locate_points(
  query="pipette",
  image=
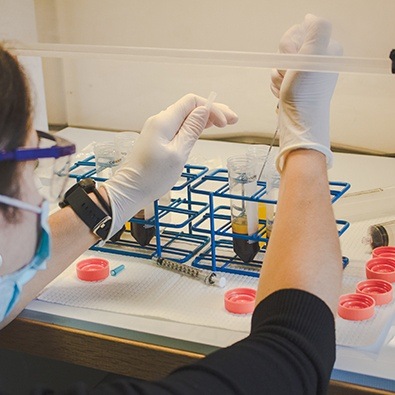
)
(209, 278)
(270, 148)
(210, 100)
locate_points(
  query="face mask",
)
(11, 284)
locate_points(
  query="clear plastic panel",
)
(220, 32)
(112, 64)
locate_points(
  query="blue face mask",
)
(11, 284)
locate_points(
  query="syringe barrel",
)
(382, 234)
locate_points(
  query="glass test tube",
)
(272, 190)
(259, 153)
(244, 214)
(107, 159)
(142, 233)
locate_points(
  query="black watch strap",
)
(93, 216)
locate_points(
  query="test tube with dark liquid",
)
(142, 233)
(244, 249)
(244, 214)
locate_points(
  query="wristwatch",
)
(98, 221)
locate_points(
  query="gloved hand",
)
(159, 155)
(305, 96)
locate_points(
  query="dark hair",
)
(15, 122)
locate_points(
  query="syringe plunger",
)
(209, 278)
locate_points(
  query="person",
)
(291, 346)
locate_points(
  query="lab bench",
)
(148, 347)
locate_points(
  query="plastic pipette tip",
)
(210, 100)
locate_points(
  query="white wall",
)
(115, 94)
(18, 22)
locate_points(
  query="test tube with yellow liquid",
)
(259, 153)
(272, 190)
(244, 213)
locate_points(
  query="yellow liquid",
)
(262, 211)
(262, 216)
(245, 250)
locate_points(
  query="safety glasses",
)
(53, 156)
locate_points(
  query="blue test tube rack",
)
(203, 230)
(216, 222)
(173, 239)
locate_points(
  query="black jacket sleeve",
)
(290, 350)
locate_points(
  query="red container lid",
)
(379, 290)
(240, 300)
(356, 307)
(387, 251)
(93, 269)
(382, 268)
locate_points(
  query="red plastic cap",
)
(356, 307)
(387, 251)
(382, 268)
(379, 290)
(93, 269)
(240, 300)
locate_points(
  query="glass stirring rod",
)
(269, 150)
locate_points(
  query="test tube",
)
(260, 154)
(382, 234)
(142, 233)
(244, 213)
(272, 190)
(107, 159)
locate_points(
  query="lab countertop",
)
(364, 173)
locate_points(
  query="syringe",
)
(209, 278)
(382, 234)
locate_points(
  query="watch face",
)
(87, 184)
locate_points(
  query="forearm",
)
(304, 250)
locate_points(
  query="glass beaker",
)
(124, 142)
(244, 213)
(107, 159)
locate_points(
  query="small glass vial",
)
(244, 213)
(107, 159)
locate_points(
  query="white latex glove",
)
(305, 96)
(159, 155)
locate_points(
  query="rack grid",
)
(197, 224)
(216, 222)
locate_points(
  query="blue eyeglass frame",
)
(61, 148)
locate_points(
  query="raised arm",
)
(304, 251)
(148, 173)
